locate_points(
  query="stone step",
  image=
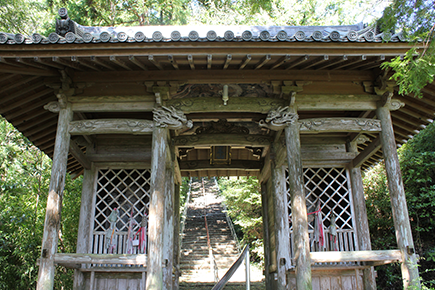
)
(229, 286)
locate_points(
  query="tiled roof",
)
(75, 33)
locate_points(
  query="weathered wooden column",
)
(84, 232)
(282, 235)
(397, 195)
(266, 236)
(54, 201)
(287, 119)
(176, 235)
(168, 236)
(164, 119)
(362, 224)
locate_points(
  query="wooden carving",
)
(222, 126)
(171, 118)
(111, 126)
(53, 107)
(340, 125)
(279, 119)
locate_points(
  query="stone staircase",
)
(196, 264)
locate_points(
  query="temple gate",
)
(134, 110)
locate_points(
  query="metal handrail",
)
(244, 255)
(229, 221)
(213, 265)
(184, 216)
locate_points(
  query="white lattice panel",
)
(126, 190)
(330, 187)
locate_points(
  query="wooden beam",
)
(79, 156)
(222, 140)
(6, 68)
(368, 152)
(121, 259)
(245, 61)
(227, 61)
(264, 105)
(339, 125)
(281, 61)
(209, 60)
(111, 126)
(205, 165)
(220, 76)
(355, 256)
(133, 59)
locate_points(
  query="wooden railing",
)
(371, 258)
(224, 280)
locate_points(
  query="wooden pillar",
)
(398, 201)
(361, 221)
(299, 208)
(54, 201)
(282, 235)
(177, 235)
(86, 214)
(168, 231)
(154, 279)
(266, 237)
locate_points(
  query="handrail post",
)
(248, 270)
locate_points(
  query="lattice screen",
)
(329, 186)
(124, 189)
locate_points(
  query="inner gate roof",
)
(327, 61)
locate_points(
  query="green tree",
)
(415, 20)
(417, 161)
(24, 180)
(243, 200)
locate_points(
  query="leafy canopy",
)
(415, 19)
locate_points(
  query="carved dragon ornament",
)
(279, 119)
(171, 118)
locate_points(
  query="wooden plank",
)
(298, 206)
(84, 258)
(111, 126)
(54, 201)
(325, 283)
(222, 140)
(355, 256)
(399, 207)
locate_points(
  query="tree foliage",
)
(417, 161)
(243, 200)
(24, 180)
(415, 20)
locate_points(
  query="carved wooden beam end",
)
(279, 119)
(282, 117)
(171, 118)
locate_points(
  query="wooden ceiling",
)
(325, 72)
